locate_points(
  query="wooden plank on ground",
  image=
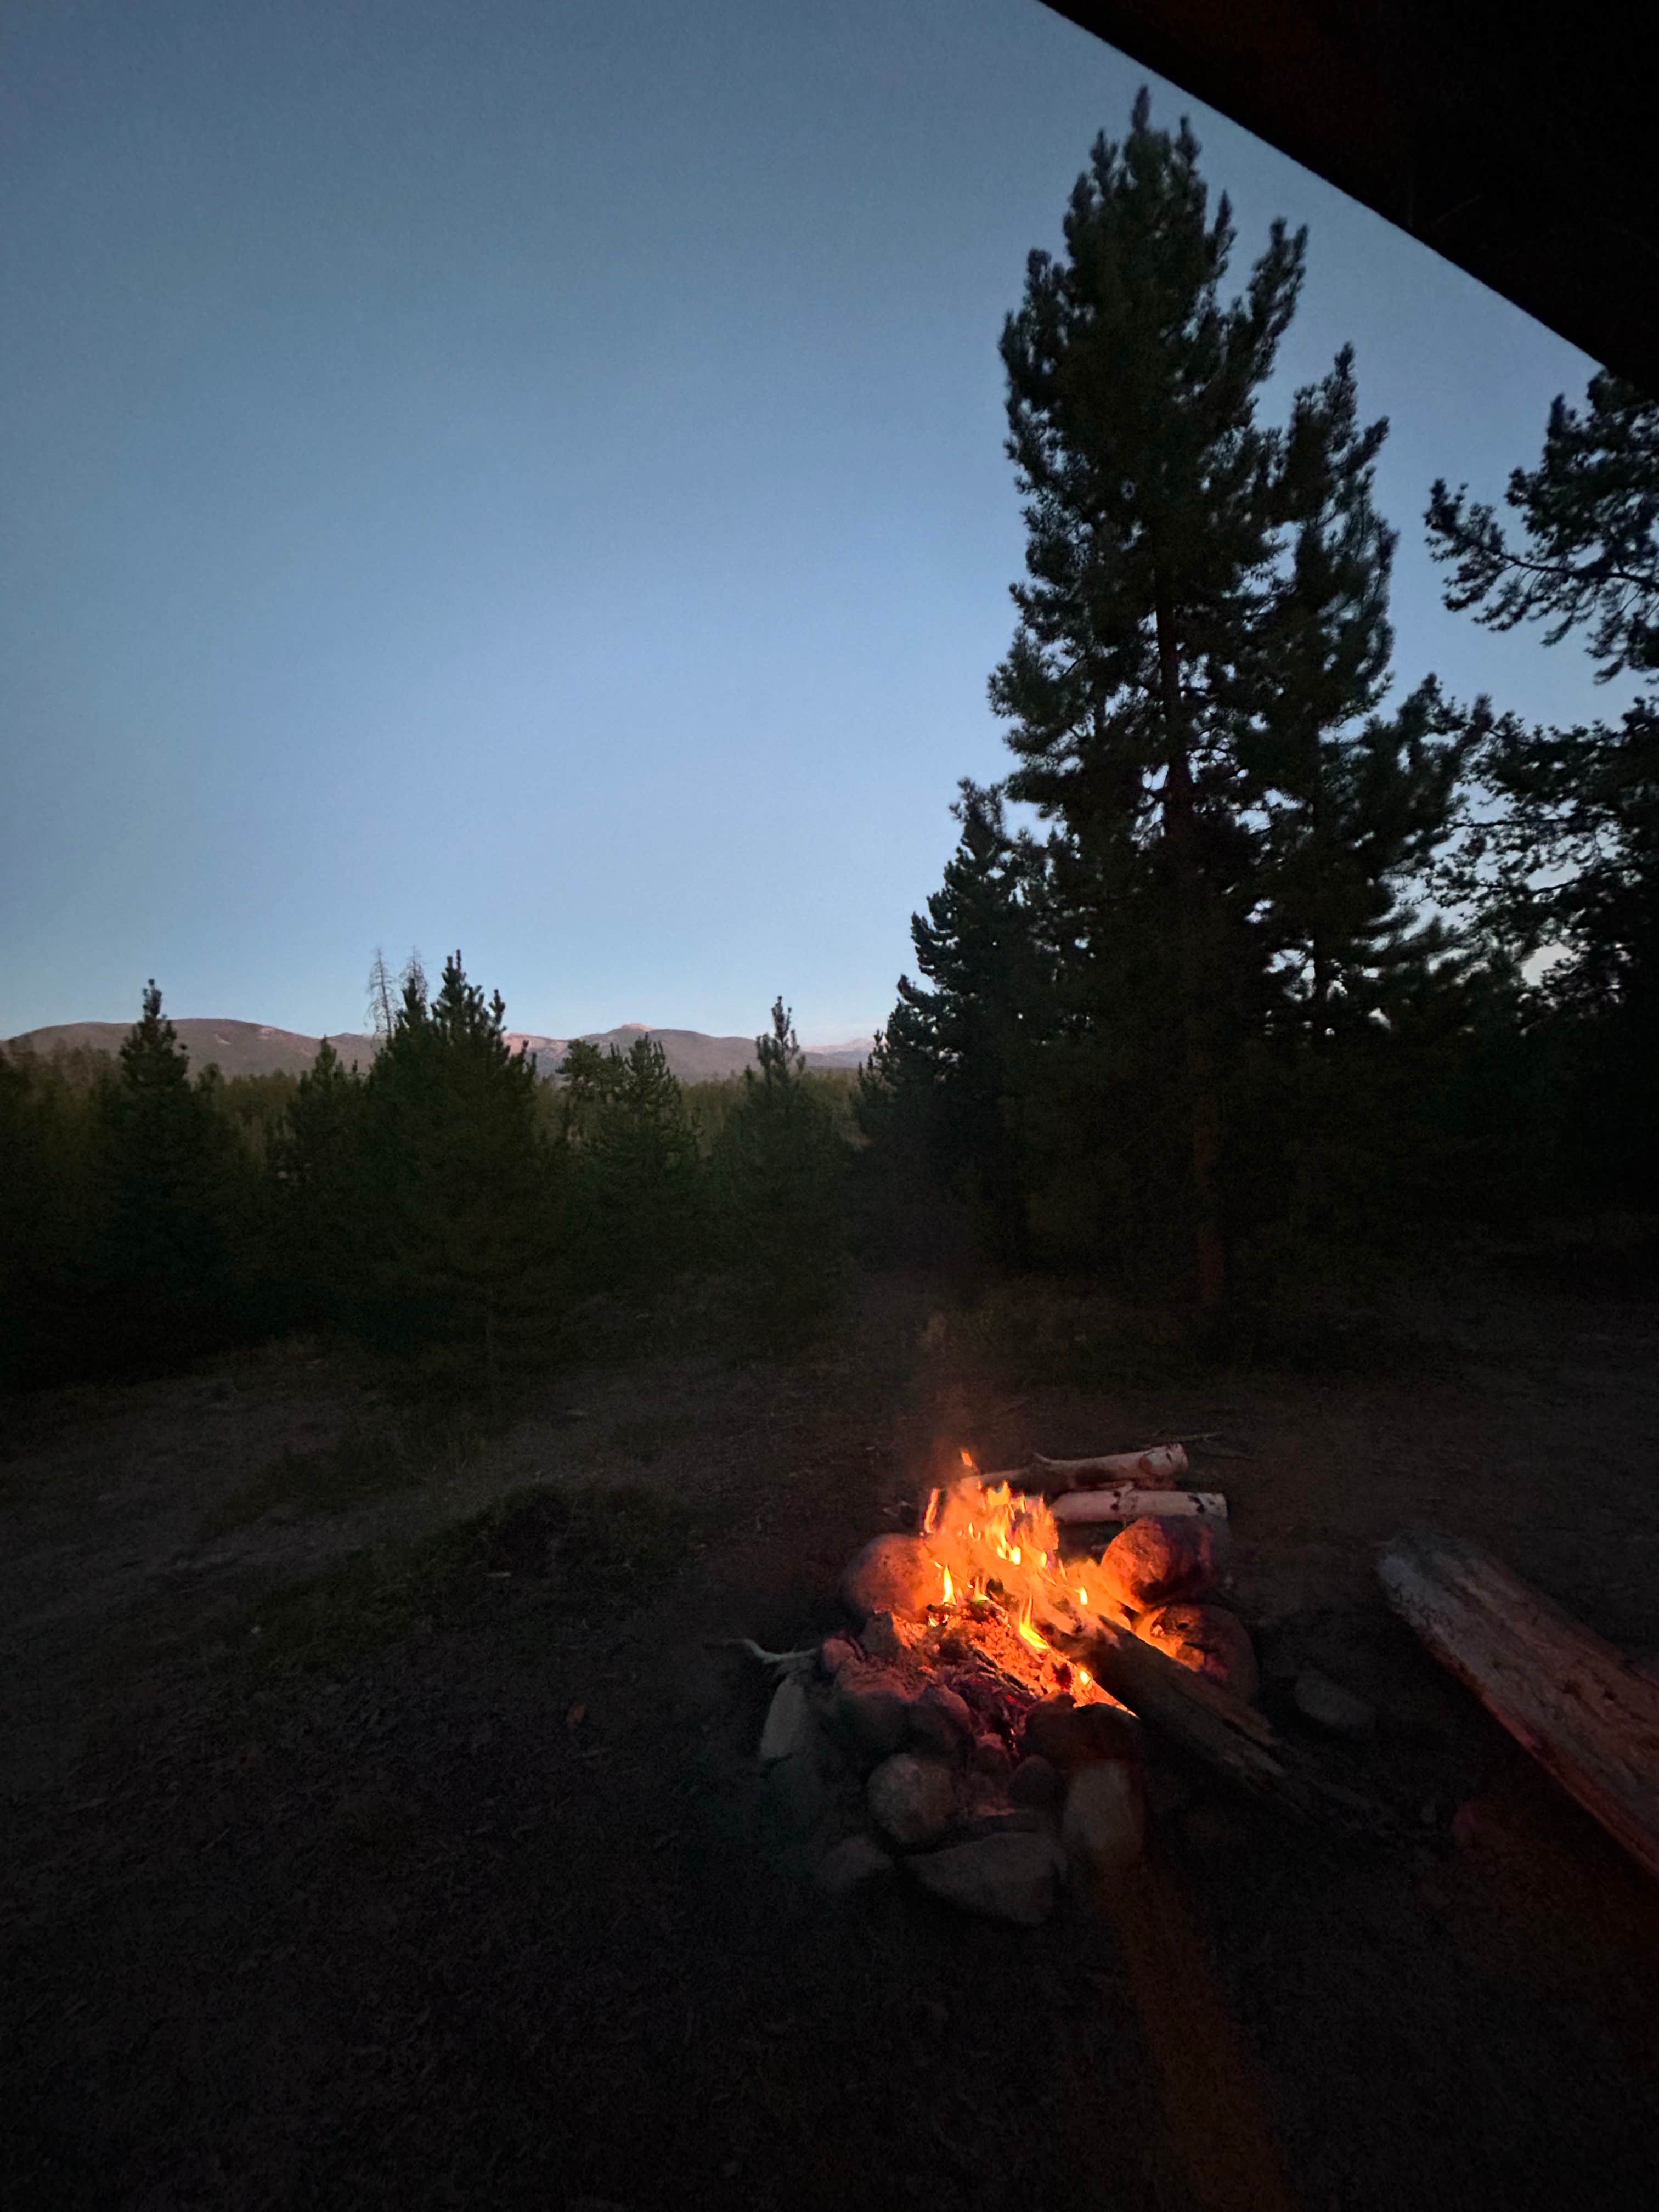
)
(1584, 1713)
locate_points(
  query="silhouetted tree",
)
(1563, 858)
(457, 1183)
(778, 1164)
(639, 1167)
(49, 1192)
(1203, 627)
(944, 1091)
(167, 1162)
(318, 1166)
(1589, 519)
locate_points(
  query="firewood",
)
(1587, 1715)
(1159, 1464)
(1127, 1502)
(1211, 1725)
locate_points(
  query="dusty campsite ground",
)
(368, 1842)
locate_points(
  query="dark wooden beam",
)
(1521, 142)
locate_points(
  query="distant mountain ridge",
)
(253, 1048)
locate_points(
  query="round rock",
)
(852, 1866)
(940, 1720)
(912, 1799)
(1329, 1706)
(869, 1709)
(1210, 1640)
(1010, 1876)
(891, 1574)
(1035, 1781)
(992, 1758)
(1103, 1827)
(1155, 1562)
(1069, 1736)
(836, 1652)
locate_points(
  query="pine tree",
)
(1565, 854)
(1151, 505)
(642, 1163)
(778, 1166)
(318, 1171)
(1353, 811)
(1203, 627)
(589, 1079)
(1589, 517)
(49, 1191)
(165, 1251)
(945, 1083)
(457, 1180)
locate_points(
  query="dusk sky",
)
(525, 476)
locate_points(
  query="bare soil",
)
(362, 1851)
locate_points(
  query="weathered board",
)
(1587, 1715)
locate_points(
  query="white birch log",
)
(1159, 1465)
(1129, 1502)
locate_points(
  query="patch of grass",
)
(1028, 1331)
(1033, 1331)
(596, 1547)
(1329, 1338)
(366, 1462)
(644, 1438)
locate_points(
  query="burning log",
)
(1210, 1724)
(1585, 1713)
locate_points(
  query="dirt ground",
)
(359, 1853)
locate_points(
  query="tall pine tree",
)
(1203, 626)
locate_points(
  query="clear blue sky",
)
(529, 476)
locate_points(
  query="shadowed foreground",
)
(454, 1883)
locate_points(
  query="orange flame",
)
(998, 1553)
(1025, 1628)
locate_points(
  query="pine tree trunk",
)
(1204, 1105)
(1322, 970)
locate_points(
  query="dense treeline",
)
(1274, 976)
(445, 1203)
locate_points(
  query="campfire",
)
(977, 1599)
(985, 1727)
